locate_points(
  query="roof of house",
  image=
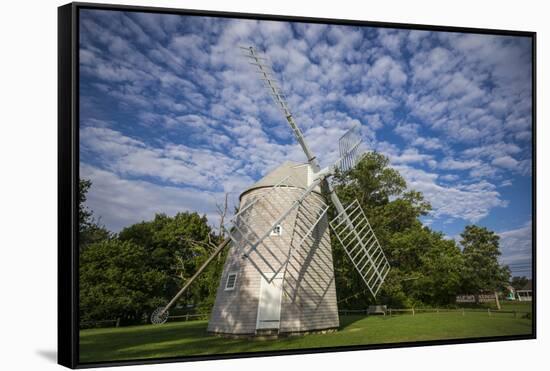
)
(295, 173)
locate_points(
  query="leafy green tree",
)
(482, 271)
(116, 283)
(89, 229)
(518, 283)
(430, 266)
(84, 214)
(372, 181)
(168, 249)
(178, 246)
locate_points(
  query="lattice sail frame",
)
(361, 245)
(251, 227)
(266, 74)
(348, 145)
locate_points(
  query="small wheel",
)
(157, 318)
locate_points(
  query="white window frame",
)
(280, 233)
(234, 282)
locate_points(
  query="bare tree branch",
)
(222, 211)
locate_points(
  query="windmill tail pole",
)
(220, 247)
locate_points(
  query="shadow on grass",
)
(349, 321)
(185, 339)
(179, 340)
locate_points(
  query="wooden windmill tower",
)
(279, 274)
(285, 283)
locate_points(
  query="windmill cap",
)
(298, 172)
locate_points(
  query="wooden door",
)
(269, 308)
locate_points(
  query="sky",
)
(173, 117)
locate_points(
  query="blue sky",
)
(173, 117)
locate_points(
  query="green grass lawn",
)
(190, 338)
(516, 305)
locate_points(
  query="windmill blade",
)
(251, 227)
(356, 235)
(267, 76)
(349, 149)
(273, 86)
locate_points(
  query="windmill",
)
(279, 274)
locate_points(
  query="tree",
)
(84, 214)
(518, 283)
(178, 245)
(372, 181)
(482, 271)
(116, 283)
(152, 258)
(430, 266)
(89, 229)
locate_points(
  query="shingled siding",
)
(309, 292)
(235, 312)
(309, 296)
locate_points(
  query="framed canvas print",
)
(239, 185)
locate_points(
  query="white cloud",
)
(426, 65)
(407, 130)
(368, 103)
(449, 177)
(506, 183)
(507, 162)
(177, 164)
(428, 143)
(452, 164)
(391, 40)
(415, 37)
(493, 150)
(120, 202)
(470, 202)
(516, 246)
(483, 171)
(410, 155)
(410, 132)
(463, 88)
(385, 69)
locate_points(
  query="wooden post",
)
(187, 317)
(390, 312)
(118, 322)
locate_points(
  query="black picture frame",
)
(68, 175)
